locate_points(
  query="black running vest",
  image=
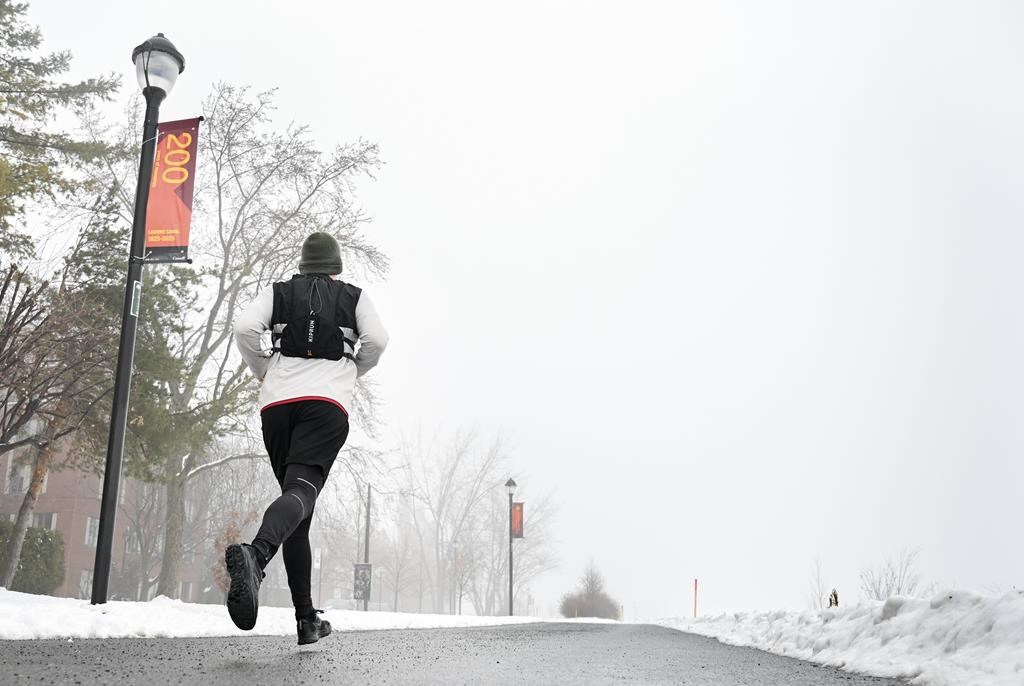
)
(315, 317)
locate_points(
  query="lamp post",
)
(511, 486)
(157, 65)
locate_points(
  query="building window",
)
(92, 531)
(18, 478)
(42, 520)
(85, 583)
(18, 474)
(134, 544)
(45, 520)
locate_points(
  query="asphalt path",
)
(520, 654)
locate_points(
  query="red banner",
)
(169, 213)
(517, 520)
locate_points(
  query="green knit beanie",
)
(320, 255)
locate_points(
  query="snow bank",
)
(955, 639)
(24, 616)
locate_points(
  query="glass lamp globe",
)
(157, 63)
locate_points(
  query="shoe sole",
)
(242, 606)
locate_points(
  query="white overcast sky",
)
(740, 281)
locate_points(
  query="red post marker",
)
(695, 599)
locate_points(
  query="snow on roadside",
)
(26, 616)
(955, 639)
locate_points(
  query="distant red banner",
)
(517, 520)
(169, 213)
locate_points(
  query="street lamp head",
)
(511, 486)
(157, 63)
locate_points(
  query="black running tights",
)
(286, 523)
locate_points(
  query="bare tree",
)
(590, 598)
(23, 311)
(225, 501)
(817, 590)
(267, 191)
(399, 554)
(143, 511)
(534, 554)
(52, 352)
(260, 190)
(448, 483)
(896, 576)
(456, 512)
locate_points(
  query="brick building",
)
(70, 503)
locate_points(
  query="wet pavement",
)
(520, 654)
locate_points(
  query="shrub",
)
(41, 567)
(590, 599)
(896, 577)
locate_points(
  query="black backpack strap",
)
(283, 296)
(345, 314)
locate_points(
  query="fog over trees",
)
(194, 457)
(806, 299)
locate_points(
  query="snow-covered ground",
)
(24, 616)
(956, 639)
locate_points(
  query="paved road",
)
(522, 655)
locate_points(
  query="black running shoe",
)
(313, 628)
(244, 595)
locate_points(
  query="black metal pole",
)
(125, 351)
(366, 550)
(510, 553)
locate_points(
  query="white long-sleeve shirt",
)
(291, 379)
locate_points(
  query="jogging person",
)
(324, 334)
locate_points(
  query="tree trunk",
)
(437, 592)
(40, 467)
(170, 565)
(398, 577)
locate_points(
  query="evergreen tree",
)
(95, 271)
(35, 160)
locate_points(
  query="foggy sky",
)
(739, 281)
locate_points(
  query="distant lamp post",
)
(511, 486)
(157, 65)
